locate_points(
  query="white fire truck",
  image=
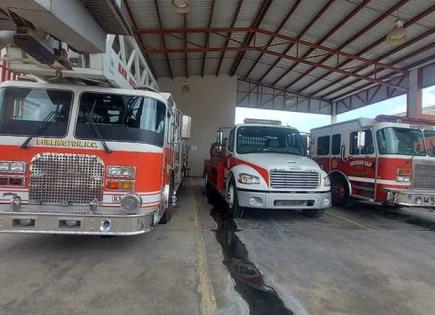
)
(388, 160)
(86, 153)
(264, 165)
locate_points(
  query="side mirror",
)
(361, 139)
(186, 122)
(219, 140)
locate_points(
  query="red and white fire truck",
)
(388, 160)
(92, 155)
(264, 165)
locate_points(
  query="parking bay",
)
(359, 260)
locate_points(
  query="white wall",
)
(211, 102)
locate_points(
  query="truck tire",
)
(339, 191)
(233, 203)
(167, 215)
(313, 213)
(207, 184)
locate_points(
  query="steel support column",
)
(414, 96)
(333, 112)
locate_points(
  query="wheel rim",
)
(338, 193)
(230, 196)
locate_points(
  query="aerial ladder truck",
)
(88, 144)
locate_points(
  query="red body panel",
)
(219, 165)
(366, 173)
(150, 175)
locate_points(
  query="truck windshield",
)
(22, 110)
(403, 141)
(121, 118)
(254, 139)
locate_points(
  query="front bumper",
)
(283, 200)
(74, 220)
(411, 197)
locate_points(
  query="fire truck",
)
(264, 165)
(87, 143)
(388, 160)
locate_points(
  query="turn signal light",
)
(16, 181)
(404, 172)
(4, 181)
(11, 181)
(123, 185)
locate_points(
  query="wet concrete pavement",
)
(361, 260)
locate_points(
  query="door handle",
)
(343, 152)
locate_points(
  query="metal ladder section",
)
(122, 65)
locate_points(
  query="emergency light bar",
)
(262, 121)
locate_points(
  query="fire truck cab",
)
(264, 165)
(80, 159)
(388, 160)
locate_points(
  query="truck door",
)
(229, 152)
(337, 147)
(361, 163)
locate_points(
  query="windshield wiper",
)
(99, 135)
(96, 130)
(42, 126)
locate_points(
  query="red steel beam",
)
(282, 90)
(138, 37)
(330, 51)
(307, 27)
(279, 55)
(326, 36)
(387, 54)
(162, 38)
(210, 19)
(186, 65)
(258, 19)
(233, 21)
(387, 76)
(278, 29)
(372, 45)
(401, 59)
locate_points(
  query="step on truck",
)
(388, 160)
(88, 144)
(263, 165)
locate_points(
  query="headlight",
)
(248, 179)
(17, 167)
(326, 182)
(14, 166)
(121, 171)
(4, 166)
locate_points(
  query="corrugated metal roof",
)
(298, 79)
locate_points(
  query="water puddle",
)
(261, 298)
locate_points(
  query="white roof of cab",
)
(85, 88)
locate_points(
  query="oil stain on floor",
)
(261, 298)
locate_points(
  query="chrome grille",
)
(66, 179)
(294, 179)
(423, 174)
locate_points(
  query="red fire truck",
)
(388, 160)
(88, 145)
(86, 160)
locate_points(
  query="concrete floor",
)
(350, 261)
